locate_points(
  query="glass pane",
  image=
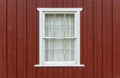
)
(59, 49)
(49, 50)
(69, 50)
(49, 25)
(59, 25)
(69, 23)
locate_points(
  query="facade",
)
(99, 39)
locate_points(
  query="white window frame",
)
(42, 12)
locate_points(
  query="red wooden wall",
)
(100, 39)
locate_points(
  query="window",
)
(59, 37)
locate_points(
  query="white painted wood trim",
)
(59, 9)
(81, 65)
(75, 11)
(59, 37)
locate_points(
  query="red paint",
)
(21, 39)
(116, 38)
(11, 40)
(3, 54)
(100, 37)
(107, 39)
(32, 30)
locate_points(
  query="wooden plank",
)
(40, 73)
(4, 54)
(75, 2)
(56, 71)
(3, 57)
(107, 39)
(88, 4)
(50, 72)
(65, 72)
(31, 38)
(89, 39)
(70, 72)
(39, 3)
(79, 73)
(84, 38)
(75, 74)
(1, 60)
(49, 4)
(45, 72)
(59, 3)
(60, 72)
(21, 39)
(65, 1)
(116, 39)
(98, 42)
(11, 39)
(68, 4)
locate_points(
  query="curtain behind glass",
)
(60, 26)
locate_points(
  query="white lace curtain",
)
(59, 33)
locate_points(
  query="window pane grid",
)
(64, 51)
(59, 37)
(59, 25)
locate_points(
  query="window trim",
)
(76, 12)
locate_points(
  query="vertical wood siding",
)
(3, 46)
(11, 39)
(100, 39)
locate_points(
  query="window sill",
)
(81, 65)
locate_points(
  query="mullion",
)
(64, 39)
(54, 24)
